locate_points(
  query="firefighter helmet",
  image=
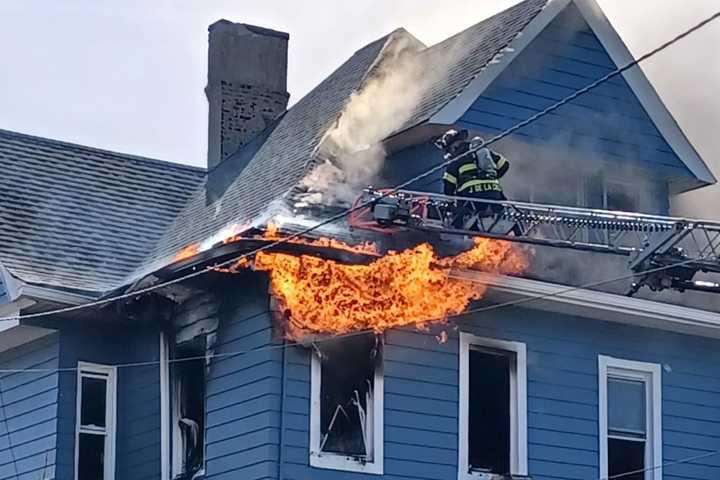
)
(451, 137)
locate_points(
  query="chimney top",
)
(240, 28)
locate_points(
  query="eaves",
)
(596, 305)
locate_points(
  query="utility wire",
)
(384, 194)
(662, 465)
(9, 438)
(487, 308)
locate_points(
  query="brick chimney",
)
(247, 85)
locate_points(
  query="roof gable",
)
(608, 123)
(600, 28)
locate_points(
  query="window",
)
(346, 418)
(493, 417)
(630, 419)
(95, 423)
(187, 372)
(606, 194)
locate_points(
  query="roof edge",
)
(455, 108)
(167, 163)
(644, 91)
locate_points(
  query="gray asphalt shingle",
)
(81, 218)
(279, 164)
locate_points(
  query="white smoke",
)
(351, 154)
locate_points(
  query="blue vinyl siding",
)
(138, 396)
(3, 291)
(609, 120)
(28, 417)
(244, 392)
(421, 397)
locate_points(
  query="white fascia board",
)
(643, 90)
(597, 305)
(17, 288)
(53, 295)
(455, 108)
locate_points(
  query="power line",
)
(495, 306)
(6, 420)
(384, 194)
(662, 465)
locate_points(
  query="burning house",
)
(201, 329)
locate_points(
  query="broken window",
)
(629, 419)
(493, 421)
(188, 410)
(95, 434)
(347, 399)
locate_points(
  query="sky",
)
(129, 75)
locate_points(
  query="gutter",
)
(53, 295)
(597, 305)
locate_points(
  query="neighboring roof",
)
(278, 165)
(80, 218)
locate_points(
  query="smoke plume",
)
(351, 153)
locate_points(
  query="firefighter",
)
(475, 175)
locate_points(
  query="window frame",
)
(651, 375)
(518, 405)
(176, 458)
(109, 374)
(342, 462)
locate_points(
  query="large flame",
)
(407, 288)
(412, 287)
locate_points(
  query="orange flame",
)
(187, 252)
(399, 289)
(272, 232)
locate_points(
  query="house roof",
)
(289, 152)
(80, 218)
(97, 220)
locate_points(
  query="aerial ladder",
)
(664, 252)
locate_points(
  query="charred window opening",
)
(188, 385)
(95, 441)
(347, 395)
(489, 413)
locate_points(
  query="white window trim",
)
(342, 462)
(94, 370)
(518, 405)
(651, 374)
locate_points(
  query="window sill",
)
(344, 463)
